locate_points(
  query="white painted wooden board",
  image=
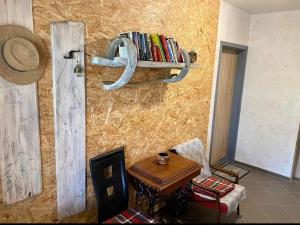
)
(20, 161)
(69, 118)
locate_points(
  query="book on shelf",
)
(173, 49)
(172, 59)
(147, 57)
(159, 57)
(139, 47)
(156, 41)
(179, 56)
(136, 42)
(143, 52)
(152, 47)
(165, 47)
(148, 47)
(154, 53)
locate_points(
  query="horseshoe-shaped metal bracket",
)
(184, 71)
(131, 63)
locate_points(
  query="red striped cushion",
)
(221, 185)
(131, 216)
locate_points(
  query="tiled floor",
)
(269, 200)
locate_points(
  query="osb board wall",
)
(146, 119)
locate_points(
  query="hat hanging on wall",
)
(23, 56)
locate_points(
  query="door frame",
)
(237, 98)
(296, 159)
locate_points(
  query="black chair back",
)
(110, 184)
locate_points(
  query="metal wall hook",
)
(71, 54)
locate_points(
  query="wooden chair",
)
(111, 190)
(212, 198)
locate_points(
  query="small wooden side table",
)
(155, 182)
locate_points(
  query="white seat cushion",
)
(231, 199)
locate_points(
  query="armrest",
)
(230, 173)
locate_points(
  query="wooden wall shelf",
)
(134, 84)
(121, 62)
(131, 63)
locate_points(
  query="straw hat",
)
(22, 57)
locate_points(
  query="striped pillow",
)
(218, 184)
(131, 216)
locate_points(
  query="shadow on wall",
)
(145, 95)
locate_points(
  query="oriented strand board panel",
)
(69, 117)
(147, 118)
(20, 160)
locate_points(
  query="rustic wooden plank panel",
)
(69, 117)
(20, 160)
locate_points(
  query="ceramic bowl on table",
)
(163, 158)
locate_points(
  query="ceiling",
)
(265, 6)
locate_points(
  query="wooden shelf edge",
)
(134, 84)
(121, 62)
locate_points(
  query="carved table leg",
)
(146, 198)
(145, 194)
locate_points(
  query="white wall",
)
(234, 24)
(270, 112)
(233, 27)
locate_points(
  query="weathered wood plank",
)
(20, 161)
(69, 117)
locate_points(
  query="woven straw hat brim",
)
(12, 75)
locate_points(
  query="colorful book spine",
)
(152, 47)
(148, 45)
(136, 42)
(173, 49)
(156, 41)
(140, 46)
(158, 55)
(165, 47)
(179, 56)
(144, 47)
(170, 50)
(154, 53)
(147, 48)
